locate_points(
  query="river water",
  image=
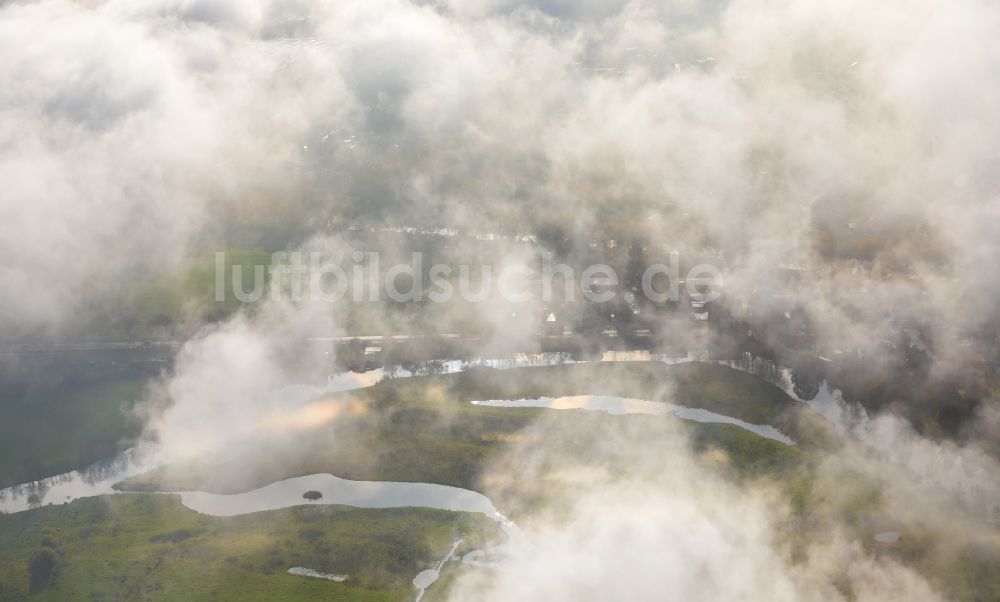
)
(362, 494)
(624, 405)
(99, 478)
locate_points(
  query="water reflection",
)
(96, 479)
(452, 366)
(100, 477)
(764, 369)
(624, 405)
(361, 494)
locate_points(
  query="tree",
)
(312, 496)
(41, 563)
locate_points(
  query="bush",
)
(41, 564)
(50, 538)
(172, 537)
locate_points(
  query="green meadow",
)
(149, 547)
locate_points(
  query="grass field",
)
(145, 546)
(149, 547)
(701, 385)
(66, 429)
(424, 428)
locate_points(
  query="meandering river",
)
(624, 405)
(99, 478)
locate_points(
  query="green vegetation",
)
(56, 431)
(424, 429)
(450, 573)
(142, 546)
(747, 454)
(42, 561)
(149, 547)
(177, 301)
(161, 304)
(700, 385)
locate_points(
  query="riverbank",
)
(53, 431)
(423, 428)
(146, 545)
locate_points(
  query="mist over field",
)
(836, 164)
